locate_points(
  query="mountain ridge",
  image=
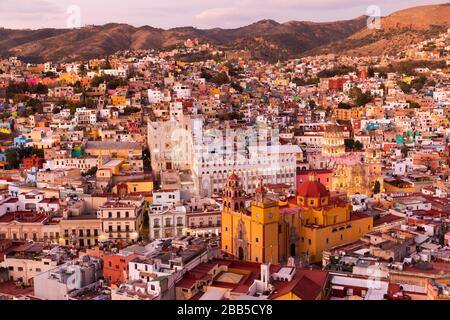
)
(265, 39)
(398, 30)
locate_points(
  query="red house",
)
(32, 162)
(336, 83)
(115, 266)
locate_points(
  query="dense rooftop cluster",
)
(124, 173)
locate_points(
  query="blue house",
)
(20, 141)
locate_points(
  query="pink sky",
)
(198, 13)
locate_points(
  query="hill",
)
(398, 30)
(265, 39)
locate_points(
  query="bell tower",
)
(233, 199)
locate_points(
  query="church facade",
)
(303, 226)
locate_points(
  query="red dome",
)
(313, 189)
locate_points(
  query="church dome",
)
(313, 189)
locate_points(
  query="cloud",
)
(30, 13)
(32, 7)
(229, 16)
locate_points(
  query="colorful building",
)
(304, 226)
(250, 235)
(115, 266)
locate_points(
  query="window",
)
(38, 269)
(19, 269)
(309, 241)
(349, 291)
(257, 240)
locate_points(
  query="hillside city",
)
(194, 173)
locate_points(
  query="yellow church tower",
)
(251, 235)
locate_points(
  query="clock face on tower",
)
(270, 215)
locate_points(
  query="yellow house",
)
(408, 80)
(118, 100)
(281, 82)
(109, 169)
(143, 185)
(323, 222)
(349, 114)
(69, 78)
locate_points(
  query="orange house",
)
(115, 266)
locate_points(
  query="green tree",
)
(418, 83)
(376, 187)
(358, 146)
(13, 158)
(220, 78)
(344, 105)
(349, 144)
(91, 172)
(413, 104)
(406, 88)
(38, 152)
